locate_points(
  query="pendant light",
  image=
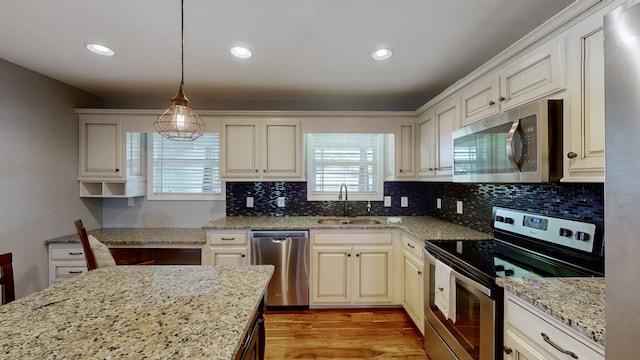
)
(179, 122)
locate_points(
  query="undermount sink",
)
(349, 221)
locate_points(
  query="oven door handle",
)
(483, 289)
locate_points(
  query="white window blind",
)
(352, 159)
(186, 167)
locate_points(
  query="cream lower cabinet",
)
(65, 261)
(352, 268)
(530, 334)
(228, 248)
(412, 280)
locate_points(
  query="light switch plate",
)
(438, 203)
(130, 201)
(281, 201)
(249, 201)
(459, 207)
(404, 201)
(387, 201)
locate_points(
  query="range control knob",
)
(508, 220)
(509, 272)
(566, 232)
(583, 236)
(499, 218)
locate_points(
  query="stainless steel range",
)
(463, 304)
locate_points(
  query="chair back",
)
(84, 239)
(6, 280)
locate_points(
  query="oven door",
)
(473, 334)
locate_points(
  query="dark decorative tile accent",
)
(579, 201)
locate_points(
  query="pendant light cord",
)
(182, 41)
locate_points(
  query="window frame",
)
(380, 163)
(151, 195)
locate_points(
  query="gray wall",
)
(157, 213)
(39, 161)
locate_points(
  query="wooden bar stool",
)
(6, 280)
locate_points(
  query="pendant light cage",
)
(179, 122)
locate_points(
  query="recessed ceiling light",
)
(241, 52)
(381, 54)
(100, 49)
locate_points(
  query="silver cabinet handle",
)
(491, 103)
(75, 272)
(572, 155)
(227, 239)
(411, 246)
(558, 347)
(75, 253)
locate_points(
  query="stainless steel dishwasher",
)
(288, 251)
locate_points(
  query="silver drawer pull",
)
(228, 239)
(75, 253)
(558, 347)
(75, 272)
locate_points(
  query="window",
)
(185, 170)
(353, 159)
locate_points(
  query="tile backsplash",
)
(579, 201)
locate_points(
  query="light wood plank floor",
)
(342, 334)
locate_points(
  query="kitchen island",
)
(135, 312)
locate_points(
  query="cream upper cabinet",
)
(405, 167)
(426, 148)
(481, 99)
(447, 119)
(261, 148)
(111, 162)
(584, 125)
(537, 73)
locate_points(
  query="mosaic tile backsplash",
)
(579, 201)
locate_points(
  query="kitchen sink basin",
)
(334, 221)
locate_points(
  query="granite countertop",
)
(127, 312)
(420, 227)
(578, 303)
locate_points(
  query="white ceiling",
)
(304, 50)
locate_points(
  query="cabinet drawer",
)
(227, 238)
(67, 253)
(532, 326)
(352, 238)
(412, 246)
(62, 272)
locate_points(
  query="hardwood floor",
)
(342, 334)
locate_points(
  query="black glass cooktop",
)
(484, 260)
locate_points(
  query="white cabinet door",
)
(372, 278)
(533, 75)
(584, 129)
(240, 143)
(228, 256)
(447, 117)
(282, 157)
(65, 261)
(101, 148)
(404, 150)
(412, 289)
(481, 99)
(331, 274)
(426, 145)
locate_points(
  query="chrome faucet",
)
(346, 198)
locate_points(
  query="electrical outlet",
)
(404, 201)
(387, 201)
(459, 207)
(438, 203)
(249, 201)
(130, 201)
(281, 201)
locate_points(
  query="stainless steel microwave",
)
(523, 145)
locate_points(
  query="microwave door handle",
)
(512, 137)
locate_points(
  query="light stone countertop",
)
(578, 303)
(422, 228)
(136, 312)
